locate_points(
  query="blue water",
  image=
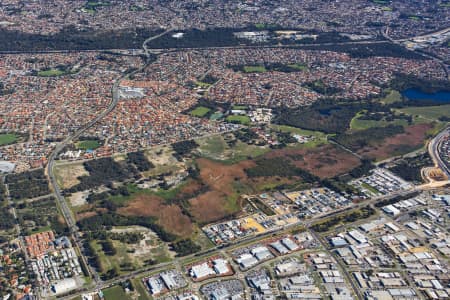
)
(416, 95)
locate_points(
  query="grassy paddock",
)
(245, 120)
(430, 113)
(115, 293)
(200, 111)
(358, 124)
(8, 138)
(254, 69)
(54, 73)
(88, 145)
(392, 97)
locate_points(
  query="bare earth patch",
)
(170, 217)
(219, 177)
(68, 174)
(86, 214)
(413, 138)
(78, 198)
(215, 204)
(209, 207)
(325, 161)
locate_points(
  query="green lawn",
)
(200, 111)
(213, 146)
(245, 120)
(216, 148)
(358, 124)
(115, 293)
(239, 107)
(88, 145)
(255, 69)
(295, 130)
(52, 73)
(8, 138)
(298, 67)
(392, 97)
(202, 84)
(428, 112)
(242, 151)
(143, 294)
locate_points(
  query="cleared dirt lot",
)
(220, 177)
(67, 174)
(79, 198)
(324, 161)
(222, 199)
(209, 207)
(170, 217)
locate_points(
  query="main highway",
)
(433, 149)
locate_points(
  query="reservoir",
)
(416, 95)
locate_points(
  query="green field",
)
(8, 138)
(298, 67)
(216, 148)
(242, 151)
(392, 97)
(139, 286)
(115, 293)
(430, 113)
(53, 73)
(295, 130)
(358, 124)
(239, 107)
(245, 120)
(200, 111)
(213, 146)
(88, 145)
(254, 69)
(203, 85)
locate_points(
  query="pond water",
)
(416, 95)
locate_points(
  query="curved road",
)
(433, 149)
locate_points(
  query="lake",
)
(416, 95)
